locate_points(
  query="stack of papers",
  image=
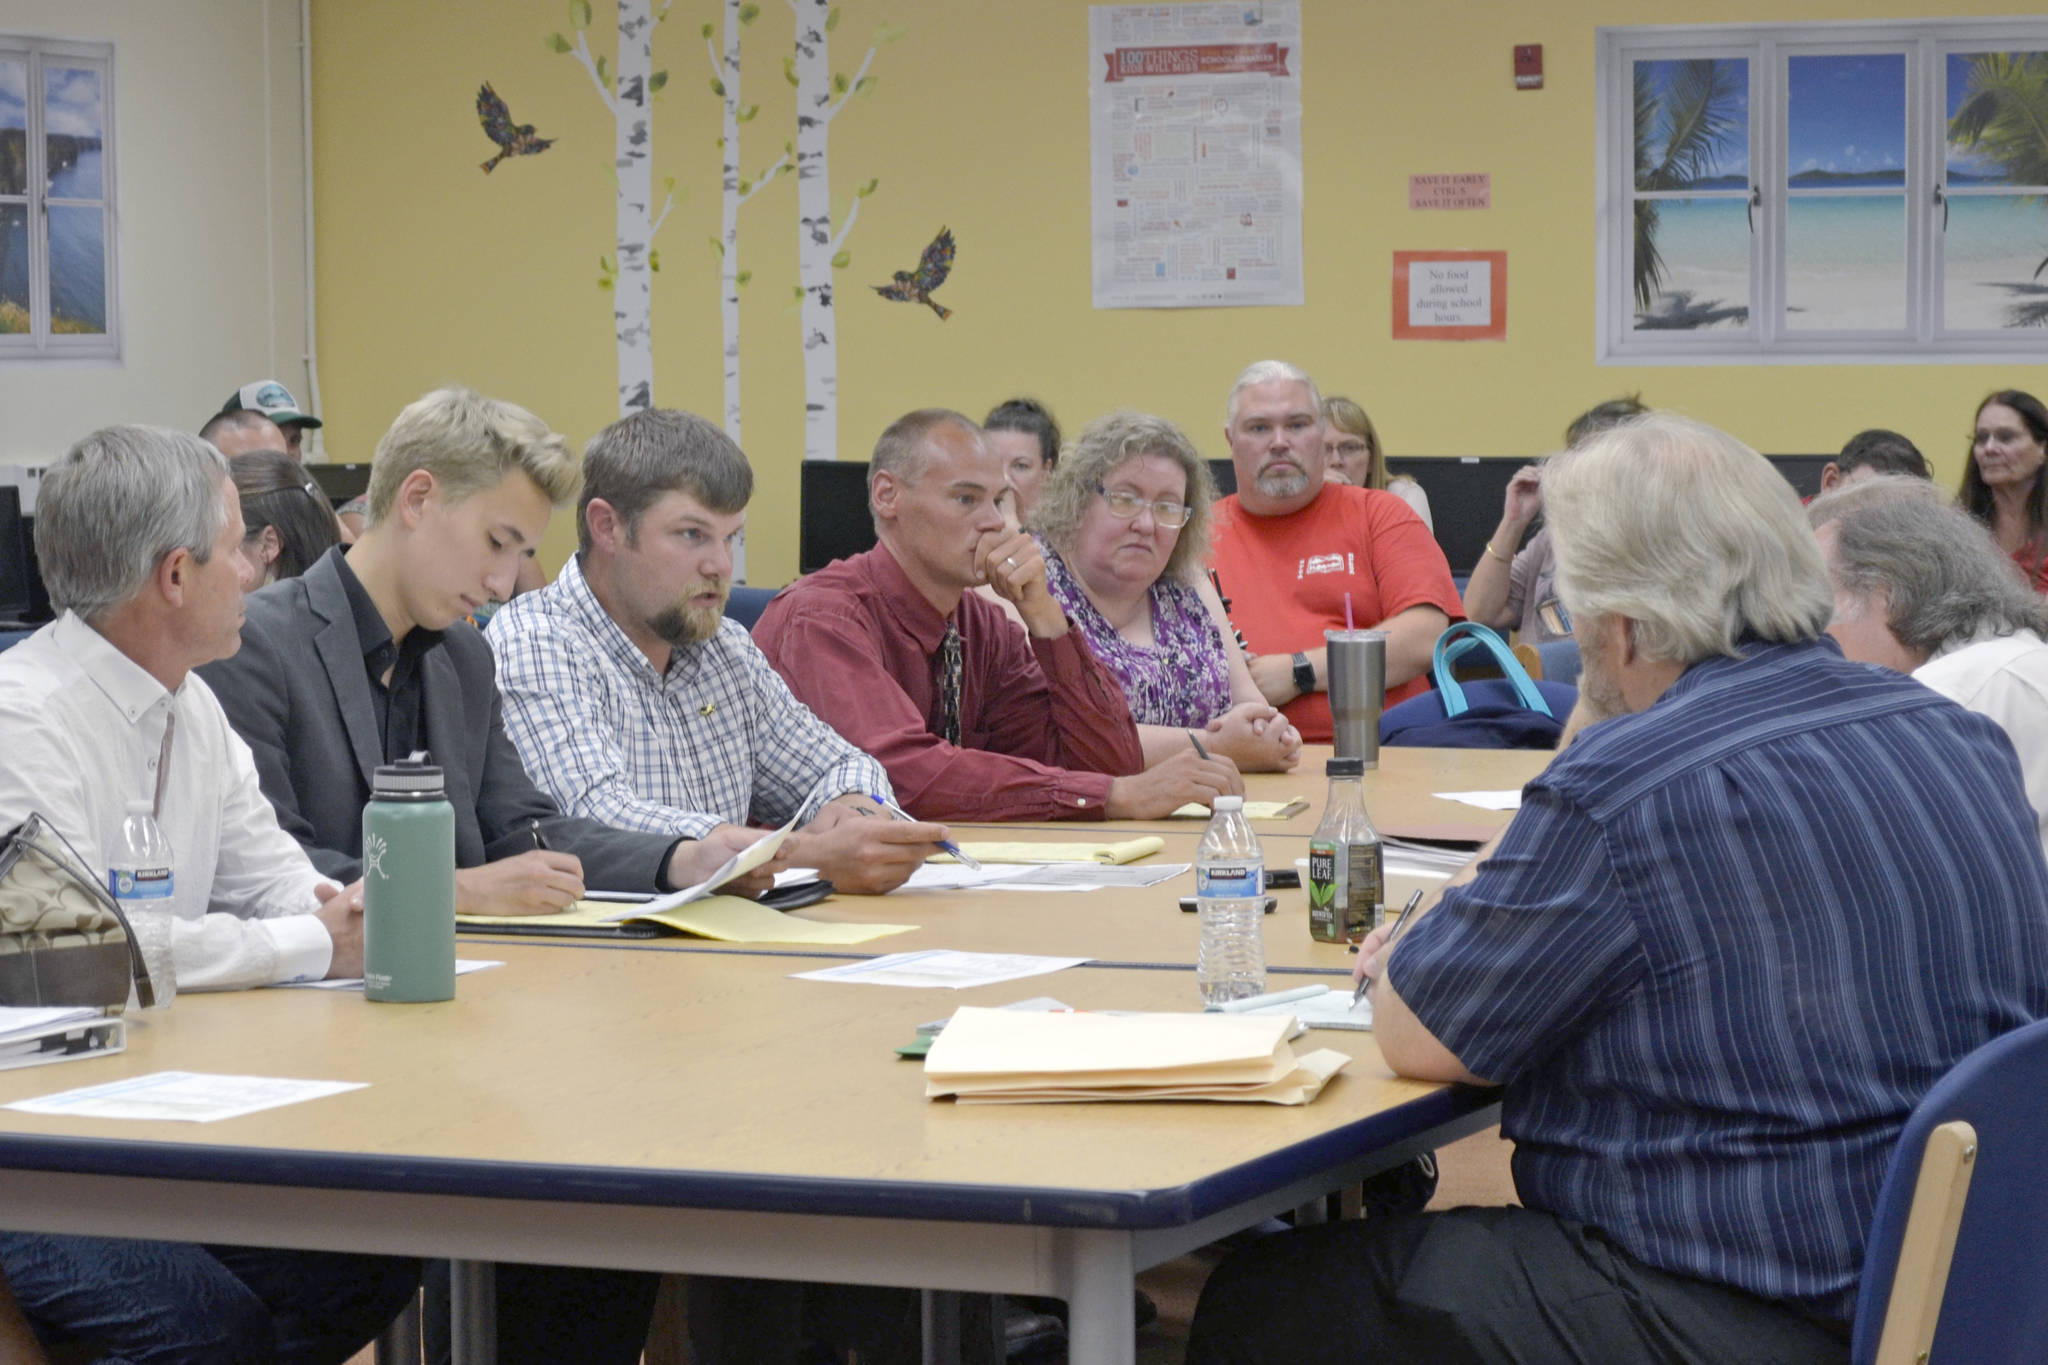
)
(1253, 810)
(33, 1035)
(728, 919)
(988, 1056)
(1114, 854)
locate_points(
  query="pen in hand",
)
(946, 844)
(1365, 981)
(540, 841)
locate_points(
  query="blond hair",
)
(1345, 415)
(469, 443)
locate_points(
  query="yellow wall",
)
(430, 271)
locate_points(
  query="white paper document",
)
(187, 1096)
(1485, 800)
(1040, 876)
(738, 865)
(463, 967)
(33, 1021)
(1312, 1006)
(942, 967)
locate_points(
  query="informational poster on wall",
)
(1450, 295)
(1195, 154)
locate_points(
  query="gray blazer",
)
(298, 694)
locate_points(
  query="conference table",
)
(678, 1106)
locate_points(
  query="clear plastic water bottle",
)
(1230, 892)
(141, 878)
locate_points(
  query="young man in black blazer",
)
(367, 657)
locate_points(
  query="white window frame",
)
(40, 343)
(1926, 45)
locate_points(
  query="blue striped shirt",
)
(1726, 946)
(718, 739)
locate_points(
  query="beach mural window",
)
(56, 200)
(1824, 192)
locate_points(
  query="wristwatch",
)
(1304, 675)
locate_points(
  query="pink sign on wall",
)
(1472, 190)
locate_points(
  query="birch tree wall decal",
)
(820, 96)
(735, 191)
(627, 93)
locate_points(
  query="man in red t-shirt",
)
(1288, 548)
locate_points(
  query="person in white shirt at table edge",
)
(139, 534)
(93, 702)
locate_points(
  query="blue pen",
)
(946, 844)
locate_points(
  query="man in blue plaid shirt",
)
(633, 701)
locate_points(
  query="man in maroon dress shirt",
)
(974, 719)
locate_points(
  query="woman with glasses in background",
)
(1351, 446)
(1124, 519)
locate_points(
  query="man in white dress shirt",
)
(139, 533)
(1922, 588)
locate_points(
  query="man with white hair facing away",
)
(1296, 556)
(1711, 975)
(1921, 587)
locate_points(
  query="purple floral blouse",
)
(1182, 678)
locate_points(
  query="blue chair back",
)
(1561, 662)
(1995, 1310)
(10, 638)
(745, 604)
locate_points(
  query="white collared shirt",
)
(2004, 677)
(81, 728)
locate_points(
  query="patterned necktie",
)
(949, 684)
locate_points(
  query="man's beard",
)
(1281, 481)
(1598, 691)
(685, 625)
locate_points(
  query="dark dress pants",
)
(1483, 1286)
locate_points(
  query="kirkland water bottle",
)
(1230, 892)
(409, 885)
(140, 879)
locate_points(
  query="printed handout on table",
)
(183, 1096)
(942, 967)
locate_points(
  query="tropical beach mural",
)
(1845, 199)
(1691, 254)
(1996, 247)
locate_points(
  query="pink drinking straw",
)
(1347, 611)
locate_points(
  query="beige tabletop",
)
(719, 1065)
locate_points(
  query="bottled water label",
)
(1230, 881)
(140, 883)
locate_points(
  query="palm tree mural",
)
(1680, 132)
(2003, 119)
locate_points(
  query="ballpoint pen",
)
(540, 841)
(1365, 982)
(946, 844)
(1196, 740)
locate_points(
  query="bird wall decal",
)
(512, 139)
(931, 272)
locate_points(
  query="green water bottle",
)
(409, 885)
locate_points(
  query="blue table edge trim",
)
(755, 1193)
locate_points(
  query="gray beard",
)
(1282, 483)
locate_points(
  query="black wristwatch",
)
(1304, 675)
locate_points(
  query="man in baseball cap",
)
(275, 401)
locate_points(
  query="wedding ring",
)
(1009, 562)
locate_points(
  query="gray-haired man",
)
(1921, 587)
(139, 534)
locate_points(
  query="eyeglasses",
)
(1350, 449)
(1171, 515)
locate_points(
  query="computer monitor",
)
(17, 575)
(340, 482)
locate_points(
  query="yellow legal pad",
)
(1129, 851)
(1253, 810)
(729, 919)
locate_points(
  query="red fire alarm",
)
(1528, 66)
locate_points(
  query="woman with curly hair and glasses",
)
(1124, 520)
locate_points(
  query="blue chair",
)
(9, 638)
(745, 604)
(1955, 1270)
(1560, 660)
